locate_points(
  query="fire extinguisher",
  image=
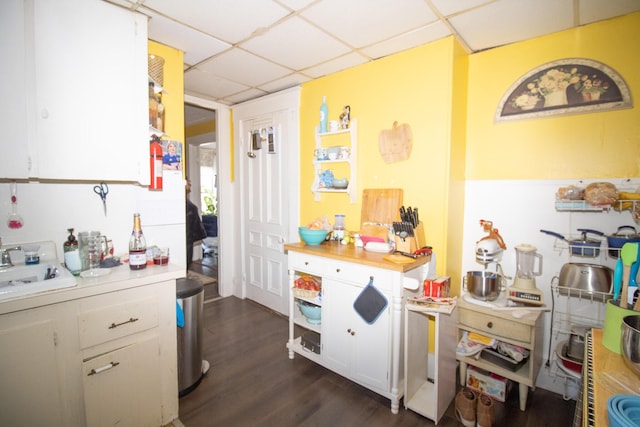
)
(155, 150)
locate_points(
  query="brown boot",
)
(466, 401)
(485, 416)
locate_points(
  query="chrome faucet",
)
(6, 257)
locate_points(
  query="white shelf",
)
(319, 166)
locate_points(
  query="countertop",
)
(351, 253)
(120, 277)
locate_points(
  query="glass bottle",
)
(137, 246)
(72, 254)
(153, 106)
(324, 113)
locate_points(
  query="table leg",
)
(523, 389)
(463, 373)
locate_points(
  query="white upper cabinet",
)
(86, 91)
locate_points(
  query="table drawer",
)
(359, 274)
(306, 263)
(116, 321)
(495, 326)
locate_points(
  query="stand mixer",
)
(489, 249)
(524, 286)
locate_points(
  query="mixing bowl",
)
(312, 237)
(311, 311)
(630, 342)
(483, 285)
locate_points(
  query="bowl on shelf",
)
(340, 183)
(630, 342)
(312, 237)
(311, 311)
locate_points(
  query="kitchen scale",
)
(524, 285)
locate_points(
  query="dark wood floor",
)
(252, 382)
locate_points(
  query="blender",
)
(524, 285)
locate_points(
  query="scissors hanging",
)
(102, 190)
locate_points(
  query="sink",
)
(22, 280)
(28, 279)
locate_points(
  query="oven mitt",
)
(370, 303)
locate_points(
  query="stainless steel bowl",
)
(630, 342)
(585, 278)
(483, 285)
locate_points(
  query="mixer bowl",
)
(483, 285)
(630, 342)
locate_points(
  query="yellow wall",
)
(593, 145)
(413, 87)
(173, 99)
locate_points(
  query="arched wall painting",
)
(565, 86)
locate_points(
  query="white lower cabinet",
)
(370, 354)
(101, 360)
(350, 345)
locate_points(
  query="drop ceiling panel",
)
(361, 23)
(284, 83)
(243, 67)
(596, 10)
(509, 21)
(409, 40)
(448, 7)
(196, 46)
(296, 44)
(229, 20)
(209, 85)
(341, 63)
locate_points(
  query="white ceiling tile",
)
(212, 85)
(196, 46)
(245, 96)
(449, 7)
(361, 23)
(597, 10)
(335, 65)
(243, 67)
(296, 4)
(291, 80)
(426, 34)
(296, 44)
(231, 20)
(508, 21)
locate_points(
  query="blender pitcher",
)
(525, 259)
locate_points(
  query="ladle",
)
(15, 220)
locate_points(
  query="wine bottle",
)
(137, 246)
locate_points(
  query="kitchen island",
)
(100, 353)
(368, 349)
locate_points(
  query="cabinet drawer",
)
(307, 263)
(359, 274)
(495, 326)
(116, 321)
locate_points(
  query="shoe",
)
(485, 416)
(466, 401)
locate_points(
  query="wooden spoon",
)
(629, 255)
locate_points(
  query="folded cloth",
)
(467, 347)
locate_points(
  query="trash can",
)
(190, 296)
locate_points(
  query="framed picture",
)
(565, 86)
(172, 156)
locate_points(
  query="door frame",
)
(227, 265)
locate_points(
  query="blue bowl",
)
(312, 237)
(311, 311)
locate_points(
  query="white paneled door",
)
(266, 171)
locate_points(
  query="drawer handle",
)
(337, 270)
(131, 320)
(104, 368)
(306, 263)
(349, 331)
(490, 325)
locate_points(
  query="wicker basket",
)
(155, 65)
(304, 293)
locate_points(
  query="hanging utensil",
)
(102, 190)
(14, 221)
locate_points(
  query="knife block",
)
(418, 233)
(408, 244)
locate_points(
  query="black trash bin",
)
(191, 366)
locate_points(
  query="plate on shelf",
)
(95, 272)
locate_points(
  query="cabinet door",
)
(91, 91)
(123, 387)
(31, 392)
(349, 344)
(13, 86)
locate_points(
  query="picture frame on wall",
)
(562, 87)
(172, 157)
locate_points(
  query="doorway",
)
(202, 170)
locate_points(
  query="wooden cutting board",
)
(380, 208)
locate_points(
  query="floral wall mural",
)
(566, 86)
